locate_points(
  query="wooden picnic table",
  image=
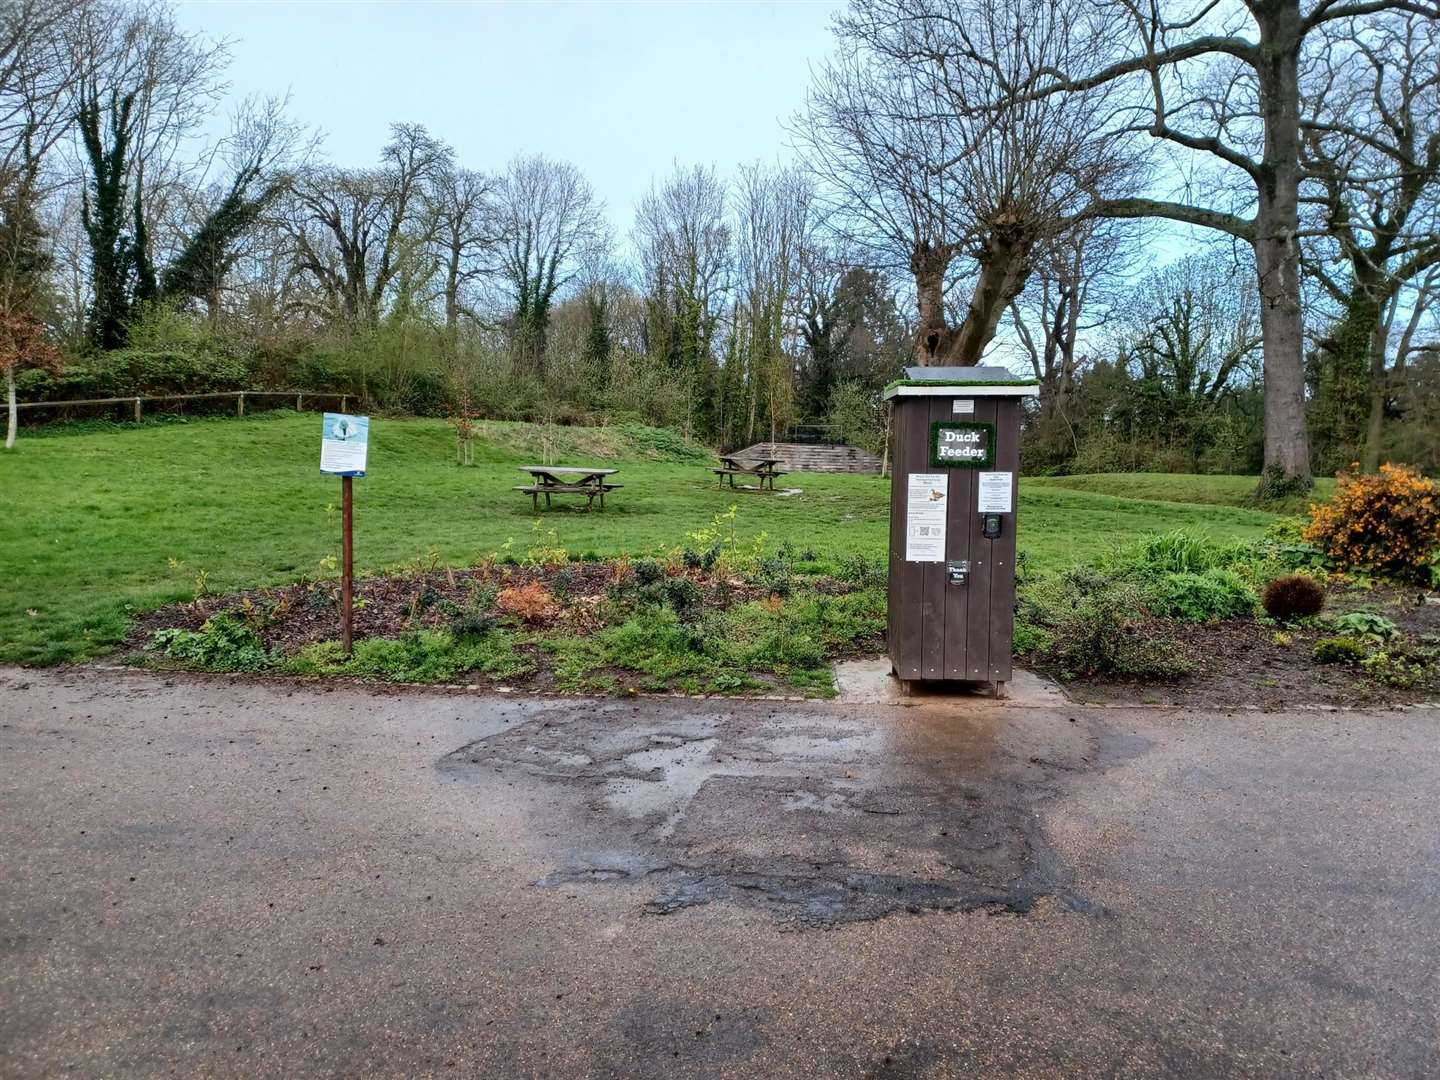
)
(762, 469)
(550, 480)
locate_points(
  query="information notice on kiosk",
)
(925, 517)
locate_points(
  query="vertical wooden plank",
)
(912, 440)
(977, 608)
(957, 549)
(897, 543)
(932, 575)
(1002, 581)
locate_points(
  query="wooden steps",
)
(802, 457)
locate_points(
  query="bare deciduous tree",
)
(1371, 147)
(353, 230)
(1225, 84)
(550, 224)
(683, 239)
(465, 232)
(1068, 299)
(773, 220)
(919, 129)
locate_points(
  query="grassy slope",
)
(1178, 487)
(92, 521)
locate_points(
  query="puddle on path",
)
(819, 814)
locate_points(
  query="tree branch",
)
(1235, 226)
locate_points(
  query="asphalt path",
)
(215, 877)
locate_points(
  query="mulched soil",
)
(1238, 663)
(389, 605)
(1235, 663)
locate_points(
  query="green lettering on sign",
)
(958, 444)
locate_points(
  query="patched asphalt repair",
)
(818, 819)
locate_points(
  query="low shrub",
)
(1203, 597)
(1401, 666)
(647, 571)
(1293, 596)
(648, 586)
(472, 623)
(223, 643)
(1338, 650)
(1388, 523)
(1029, 638)
(1094, 621)
(658, 644)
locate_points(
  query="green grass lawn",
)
(1179, 487)
(98, 525)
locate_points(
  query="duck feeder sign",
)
(962, 445)
(955, 440)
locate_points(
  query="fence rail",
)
(238, 395)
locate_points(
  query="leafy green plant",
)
(1174, 552)
(472, 622)
(863, 573)
(1365, 624)
(1401, 666)
(1338, 650)
(223, 643)
(1203, 597)
(1029, 638)
(658, 644)
(423, 656)
(647, 571)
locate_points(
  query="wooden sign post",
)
(347, 563)
(344, 446)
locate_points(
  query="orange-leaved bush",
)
(532, 602)
(1387, 523)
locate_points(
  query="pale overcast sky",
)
(623, 90)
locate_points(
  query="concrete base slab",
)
(869, 682)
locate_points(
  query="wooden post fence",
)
(137, 403)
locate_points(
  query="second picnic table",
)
(550, 480)
(762, 469)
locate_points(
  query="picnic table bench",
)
(551, 480)
(762, 469)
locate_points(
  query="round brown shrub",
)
(1293, 596)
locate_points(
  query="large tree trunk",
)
(1347, 380)
(1003, 270)
(1277, 252)
(13, 422)
(932, 337)
(1375, 424)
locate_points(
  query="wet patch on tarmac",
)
(817, 815)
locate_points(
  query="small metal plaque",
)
(958, 573)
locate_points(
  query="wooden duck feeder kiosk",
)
(955, 439)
